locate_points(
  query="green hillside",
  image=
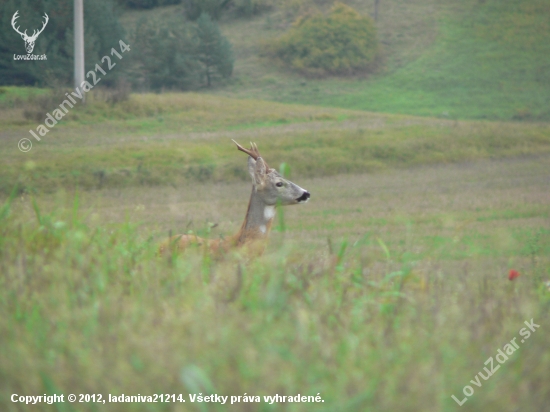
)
(475, 59)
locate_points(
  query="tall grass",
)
(369, 326)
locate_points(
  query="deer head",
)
(29, 40)
(269, 184)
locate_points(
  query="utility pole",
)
(376, 3)
(79, 45)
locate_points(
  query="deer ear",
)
(257, 170)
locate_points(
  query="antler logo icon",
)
(29, 40)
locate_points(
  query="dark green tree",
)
(102, 32)
(214, 51)
(147, 4)
(249, 8)
(195, 8)
(166, 57)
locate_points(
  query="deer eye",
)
(279, 184)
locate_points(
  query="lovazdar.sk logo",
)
(29, 40)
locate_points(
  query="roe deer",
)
(269, 189)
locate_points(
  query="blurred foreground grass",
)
(399, 313)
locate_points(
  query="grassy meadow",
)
(460, 60)
(388, 291)
(173, 138)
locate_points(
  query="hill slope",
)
(478, 60)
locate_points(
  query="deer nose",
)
(305, 196)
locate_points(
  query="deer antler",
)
(24, 34)
(15, 17)
(35, 34)
(253, 152)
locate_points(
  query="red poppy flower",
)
(513, 274)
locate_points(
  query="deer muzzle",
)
(304, 198)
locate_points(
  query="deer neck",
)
(258, 220)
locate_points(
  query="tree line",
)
(171, 51)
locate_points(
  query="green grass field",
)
(460, 60)
(175, 138)
(387, 291)
(399, 313)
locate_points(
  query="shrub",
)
(120, 93)
(341, 43)
(142, 4)
(194, 8)
(36, 106)
(148, 4)
(249, 8)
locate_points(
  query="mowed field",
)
(388, 290)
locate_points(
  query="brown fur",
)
(254, 240)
